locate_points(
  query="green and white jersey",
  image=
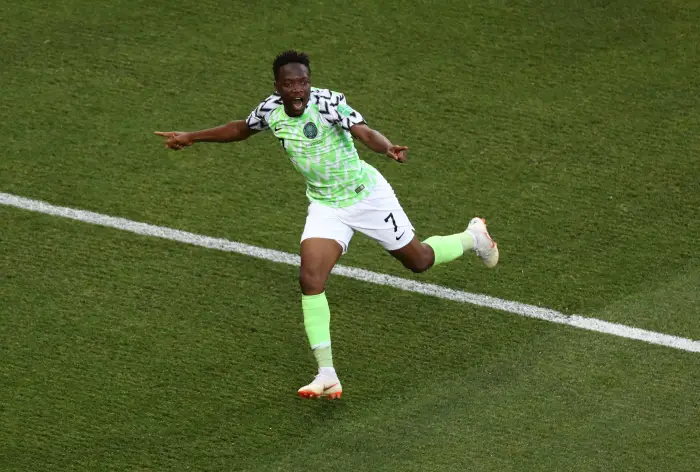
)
(320, 146)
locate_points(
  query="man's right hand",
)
(176, 139)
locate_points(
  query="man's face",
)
(294, 86)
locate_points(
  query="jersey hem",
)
(344, 203)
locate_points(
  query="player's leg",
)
(324, 240)
(381, 217)
(318, 256)
(416, 256)
(420, 256)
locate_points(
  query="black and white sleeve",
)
(257, 120)
(340, 113)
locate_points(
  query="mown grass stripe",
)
(522, 309)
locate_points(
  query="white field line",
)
(530, 311)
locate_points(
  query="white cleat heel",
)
(485, 247)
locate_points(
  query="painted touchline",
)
(522, 309)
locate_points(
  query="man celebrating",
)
(316, 128)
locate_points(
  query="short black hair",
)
(290, 57)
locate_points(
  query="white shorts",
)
(379, 216)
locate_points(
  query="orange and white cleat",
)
(484, 247)
(322, 386)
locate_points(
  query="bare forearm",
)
(376, 141)
(233, 131)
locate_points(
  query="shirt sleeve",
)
(340, 113)
(329, 95)
(257, 120)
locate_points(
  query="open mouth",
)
(298, 103)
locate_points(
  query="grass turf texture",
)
(571, 129)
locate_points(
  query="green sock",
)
(317, 322)
(449, 248)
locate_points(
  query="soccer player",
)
(316, 128)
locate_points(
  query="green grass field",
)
(573, 127)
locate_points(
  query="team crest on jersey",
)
(310, 130)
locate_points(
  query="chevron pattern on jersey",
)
(327, 159)
(329, 112)
(257, 120)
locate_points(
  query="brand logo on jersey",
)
(344, 110)
(310, 130)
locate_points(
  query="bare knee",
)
(312, 281)
(420, 262)
(417, 267)
(415, 256)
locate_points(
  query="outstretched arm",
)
(377, 142)
(233, 131)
